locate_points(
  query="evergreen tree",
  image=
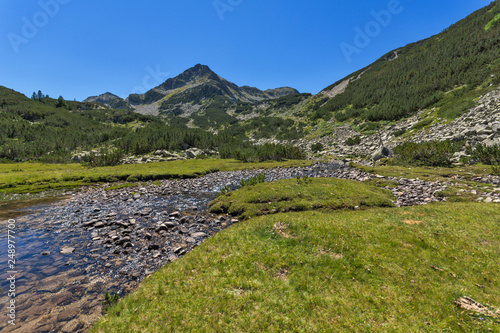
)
(61, 103)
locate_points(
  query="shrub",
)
(421, 124)
(105, 157)
(431, 153)
(109, 300)
(317, 147)
(353, 141)
(489, 155)
(266, 152)
(399, 132)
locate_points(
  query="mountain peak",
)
(190, 76)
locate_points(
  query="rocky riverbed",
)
(102, 239)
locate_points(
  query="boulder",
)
(382, 152)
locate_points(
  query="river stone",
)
(185, 219)
(175, 214)
(122, 240)
(170, 224)
(67, 250)
(99, 225)
(161, 227)
(153, 247)
(198, 235)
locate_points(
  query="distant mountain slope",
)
(110, 100)
(463, 58)
(191, 93)
(39, 129)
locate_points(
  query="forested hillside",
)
(50, 130)
(464, 58)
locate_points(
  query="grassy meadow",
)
(19, 178)
(377, 269)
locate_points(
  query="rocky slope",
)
(481, 124)
(191, 92)
(109, 100)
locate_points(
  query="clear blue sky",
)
(79, 48)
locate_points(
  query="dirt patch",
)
(412, 214)
(412, 222)
(281, 229)
(282, 273)
(333, 255)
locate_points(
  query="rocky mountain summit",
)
(191, 91)
(109, 100)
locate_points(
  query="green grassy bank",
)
(374, 270)
(18, 178)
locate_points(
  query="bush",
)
(266, 152)
(431, 153)
(105, 157)
(421, 124)
(489, 155)
(109, 301)
(353, 141)
(399, 132)
(317, 147)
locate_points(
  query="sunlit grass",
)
(376, 270)
(299, 195)
(37, 177)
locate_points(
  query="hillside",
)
(198, 91)
(418, 76)
(109, 100)
(50, 130)
(443, 87)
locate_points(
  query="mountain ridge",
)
(199, 84)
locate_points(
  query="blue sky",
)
(77, 48)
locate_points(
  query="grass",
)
(376, 270)
(21, 178)
(429, 173)
(296, 195)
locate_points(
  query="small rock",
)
(99, 225)
(175, 214)
(67, 250)
(153, 247)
